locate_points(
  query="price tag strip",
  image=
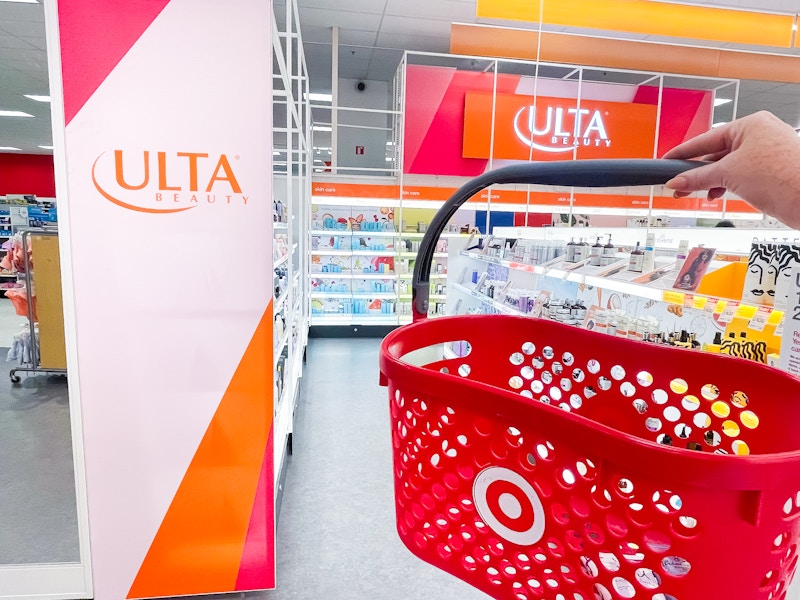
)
(759, 320)
(729, 312)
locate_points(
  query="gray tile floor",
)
(38, 515)
(336, 537)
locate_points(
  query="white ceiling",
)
(372, 36)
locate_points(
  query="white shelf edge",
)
(351, 275)
(279, 348)
(606, 283)
(356, 232)
(281, 301)
(359, 295)
(353, 319)
(353, 253)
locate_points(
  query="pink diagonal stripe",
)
(257, 571)
(94, 38)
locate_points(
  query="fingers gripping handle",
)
(569, 173)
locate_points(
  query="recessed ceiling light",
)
(720, 124)
(321, 128)
(8, 147)
(46, 147)
(22, 1)
(38, 97)
(721, 101)
(13, 113)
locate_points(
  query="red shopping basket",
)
(535, 460)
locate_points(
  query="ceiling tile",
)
(414, 42)
(320, 35)
(318, 17)
(446, 10)
(415, 26)
(355, 37)
(365, 6)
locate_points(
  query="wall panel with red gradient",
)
(27, 174)
(453, 123)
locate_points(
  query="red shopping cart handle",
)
(578, 173)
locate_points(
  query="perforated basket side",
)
(482, 469)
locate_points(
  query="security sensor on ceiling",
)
(361, 86)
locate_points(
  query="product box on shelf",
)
(326, 285)
(352, 218)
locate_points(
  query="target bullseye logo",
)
(509, 505)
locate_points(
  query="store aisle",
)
(336, 534)
(38, 512)
(10, 323)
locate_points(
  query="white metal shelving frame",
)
(292, 157)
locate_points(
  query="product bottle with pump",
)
(571, 245)
(637, 259)
(596, 253)
(609, 253)
(579, 248)
(585, 249)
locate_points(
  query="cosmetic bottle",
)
(624, 324)
(649, 262)
(585, 249)
(596, 253)
(682, 341)
(609, 253)
(637, 260)
(680, 258)
(571, 245)
(601, 324)
(578, 250)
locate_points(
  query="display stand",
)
(505, 281)
(48, 351)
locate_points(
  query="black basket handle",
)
(577, 173)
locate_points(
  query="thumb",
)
(702, 178)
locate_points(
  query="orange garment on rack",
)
(19, 299)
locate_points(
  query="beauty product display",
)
(581, 251)
(596, 253)
(609, 253)
(683, 250)
(570, 256)
(769, 271)
(537, 252)
(694, 267)
(636, 262)
(649, 261)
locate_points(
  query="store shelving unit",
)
(291, 199)
(675, 310)
(362, 276)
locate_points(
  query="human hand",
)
(756, 157)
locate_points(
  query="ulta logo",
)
(180, 181)
(560, 129)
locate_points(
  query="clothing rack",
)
(48, 352)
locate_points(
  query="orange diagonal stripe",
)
(198, 547)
